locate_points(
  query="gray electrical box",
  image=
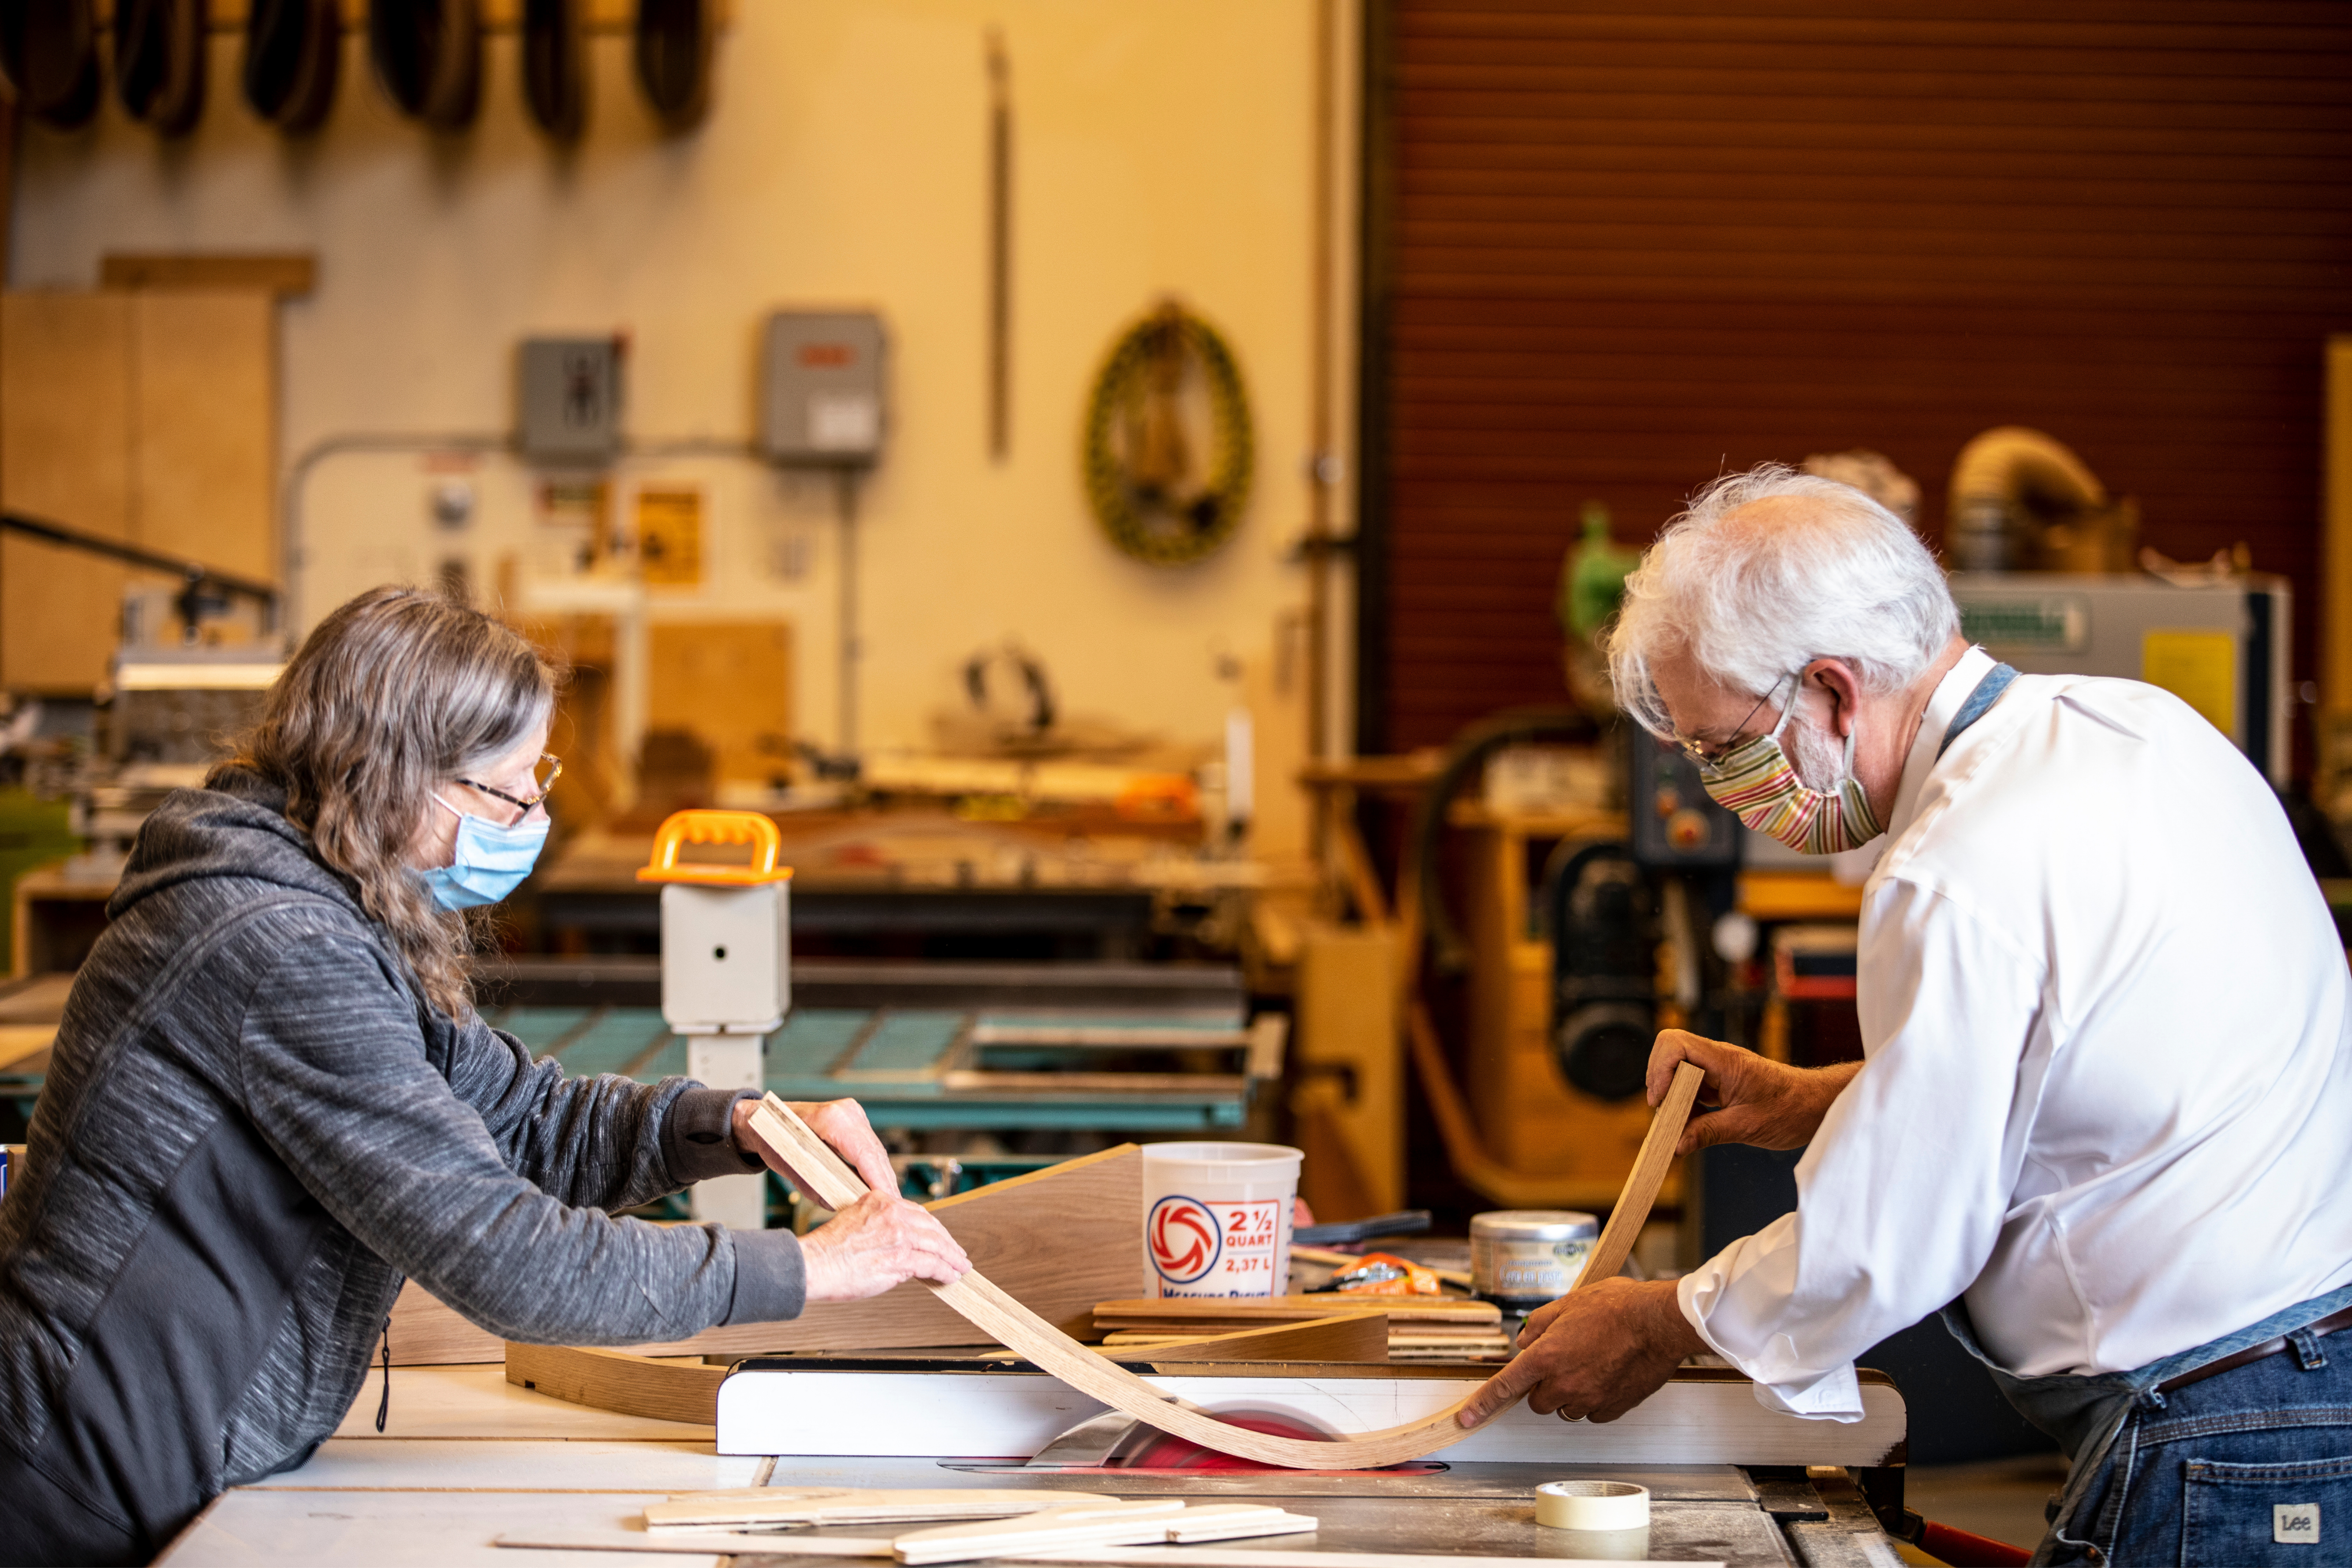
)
(570, 412)
(820, 388)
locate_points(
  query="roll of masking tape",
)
(1592, 1505)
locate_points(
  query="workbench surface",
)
(466, 1458)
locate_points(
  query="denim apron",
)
(2085, 1415)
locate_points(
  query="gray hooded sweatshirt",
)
(254, 1126)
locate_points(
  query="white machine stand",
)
(726, 971)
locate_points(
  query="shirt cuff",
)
(771, 1280)
(1831, 1395)
(698, 1136)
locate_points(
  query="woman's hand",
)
(842, 1124)
(1755, 1100)
(880, 1241)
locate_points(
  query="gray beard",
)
(1818, 756)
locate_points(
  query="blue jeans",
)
(2250, 1466)
(2245, 1469)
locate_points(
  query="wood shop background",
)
(1129, 490)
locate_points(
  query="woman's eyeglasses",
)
(554, 765)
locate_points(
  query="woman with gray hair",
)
(2104, 1116)
(271, 1100)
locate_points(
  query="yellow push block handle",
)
(717, 828)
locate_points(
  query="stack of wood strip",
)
(1421, 1327)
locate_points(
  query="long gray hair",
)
(394, 695)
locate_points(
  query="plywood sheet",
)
(65, 443)
(729, 683)
(145, 418)
(204, 406)
(1059, 1240)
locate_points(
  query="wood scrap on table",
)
(851, 1505)
(1113, 1522)
(822, 1173)
(1181, 1313)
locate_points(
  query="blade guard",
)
(747, 828)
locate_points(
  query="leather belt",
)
(2329, 1324)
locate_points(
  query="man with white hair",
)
(2105, 1106)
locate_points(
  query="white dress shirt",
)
(2108, 1095)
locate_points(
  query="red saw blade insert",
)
(1166, 1451)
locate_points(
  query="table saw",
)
(468, 1458)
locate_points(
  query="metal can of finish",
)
(1520, 1259)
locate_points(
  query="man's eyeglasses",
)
(1705, 753)
(554, 765)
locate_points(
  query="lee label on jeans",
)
(2296, 1523)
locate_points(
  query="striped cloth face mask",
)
(1758, 784)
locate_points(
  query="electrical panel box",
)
(725, 958)
(570, 400)
(822, 388)
(1676, 824)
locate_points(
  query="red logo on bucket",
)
(1186, 1238)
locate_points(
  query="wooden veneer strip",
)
(999, 1315)
(1353, 1336)
(853, 1505)
(1190, 1311)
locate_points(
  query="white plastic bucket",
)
(1216, 1217)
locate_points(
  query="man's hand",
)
(1594, 1354)
(842, 1124)
(1755, 1100)
(880, 1241)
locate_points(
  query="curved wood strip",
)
(1011, 1324)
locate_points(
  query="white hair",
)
(1755, 599)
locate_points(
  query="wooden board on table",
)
(1058, 1237)
(1180, 1314)
(609, 1380)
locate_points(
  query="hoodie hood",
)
(235, 826)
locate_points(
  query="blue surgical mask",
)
(491, 860)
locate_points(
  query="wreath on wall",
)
(1167, 450)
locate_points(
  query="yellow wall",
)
(1162, 146)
